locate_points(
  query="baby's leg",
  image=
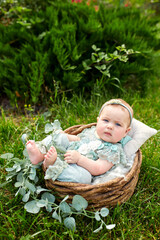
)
(34, 154)
(75, 173)
(50, 157)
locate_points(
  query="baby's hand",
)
(72, 156)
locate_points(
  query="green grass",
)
(138, 218)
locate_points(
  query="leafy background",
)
(43, 46)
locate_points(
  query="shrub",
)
(47, 46)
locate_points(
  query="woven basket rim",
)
(137, 161)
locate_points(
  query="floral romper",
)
(89, 145)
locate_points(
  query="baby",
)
(94, 151)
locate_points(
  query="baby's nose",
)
(110, 126)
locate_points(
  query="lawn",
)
(138, 218)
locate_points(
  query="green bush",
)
(44, 48)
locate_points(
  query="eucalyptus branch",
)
(35, 197)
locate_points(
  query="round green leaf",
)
(32, 174)
(97, 216)
(17, 167)
(18, 184)
(104, 212)
(32, 207)
(22, 191)
(24, 138)
(7, 155)
(30, 186)
(70, 223)
(42, 203)
(65, 207)
(26, 197)
(79, 203)
(20, 177)
(48, 128)
(50, 197)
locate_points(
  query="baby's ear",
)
(97, 119)
(128, 129)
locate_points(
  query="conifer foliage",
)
(44, 47)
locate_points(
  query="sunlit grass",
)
(138, 218)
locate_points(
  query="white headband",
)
(116, 102)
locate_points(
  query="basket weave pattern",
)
(99, 195)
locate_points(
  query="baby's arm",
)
(94, 167)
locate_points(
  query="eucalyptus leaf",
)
(30, 186)
(42, 203)
(37, 165)
(40, 189)
(24, 138)
(33, 170)
(70, 223)
(26, 197)
(20, 177)
(97, 216)
(32, 174)
(48, 128)
(17, 160)
(9, 176)
(18, 184)
(111, 226)
(25, 153)
(56, 124)
(7, 155)
(98, 229)
(10, 169)
(104, 212)
(17, 167)
(36, 179)
(32, 207)
(79, 203)
(56, 216)
(49, 208)
(64, 207)
(50, 197)
(22, 191)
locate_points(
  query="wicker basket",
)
(100, 195)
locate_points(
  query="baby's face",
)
(112, 124)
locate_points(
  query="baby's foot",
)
(34, 154)
(50, 157)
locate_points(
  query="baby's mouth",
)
(108, 134)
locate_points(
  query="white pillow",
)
(139, 133)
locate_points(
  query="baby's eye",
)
(105, 120)
(118, 124)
